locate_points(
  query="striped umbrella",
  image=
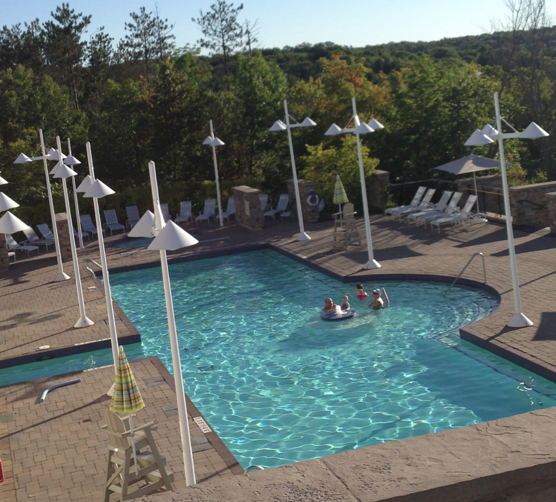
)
(340, 196)
(126, 397)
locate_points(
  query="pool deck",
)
(34, 311)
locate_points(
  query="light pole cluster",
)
(484, 137)
(213, 141)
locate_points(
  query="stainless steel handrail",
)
(90, 260)
(463, 270)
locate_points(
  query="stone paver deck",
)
(32, 310)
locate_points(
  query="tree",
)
(21, 47)
(63, 48)
(223, 33)
(149, 38)
(99, 55)
(251, 31)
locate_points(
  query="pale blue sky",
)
(291, 22)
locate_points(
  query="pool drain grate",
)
(7, 417)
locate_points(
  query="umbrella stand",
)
(476, 193)
(133, 445)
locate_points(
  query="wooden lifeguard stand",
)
(120, 470)
(345, 228)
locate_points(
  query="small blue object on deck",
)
(57, 386)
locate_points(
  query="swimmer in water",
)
(377, 303)
(345, 304)
(361, 295)
(329, 305)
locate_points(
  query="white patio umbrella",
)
(470, 164)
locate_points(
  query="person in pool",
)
(345, 304)
(377, 303)
(329, 305)
(361, 295)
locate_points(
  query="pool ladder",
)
(463, 270)
(90, 260)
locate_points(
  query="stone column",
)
(310, 213)
(4, 258)
(550, 199)
(249, 213)
(64, 236)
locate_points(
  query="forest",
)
(143, 98)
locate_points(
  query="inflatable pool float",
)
(332, 316)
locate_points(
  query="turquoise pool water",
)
(279, 385)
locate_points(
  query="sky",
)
(291, 22)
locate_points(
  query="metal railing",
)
(533, 203)
(90, 260)
(463, 270)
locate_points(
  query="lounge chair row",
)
(444, 212)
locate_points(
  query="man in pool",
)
(329, 305)
(377, 303)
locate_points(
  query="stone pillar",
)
(249, 213)
(4, 258)
(550, 199)
(310, 213)
(64, 236)
(377, 190)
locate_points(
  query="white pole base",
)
(372, 264)
(303, 237)
(520, 321)
(83, 322)
(62, 277)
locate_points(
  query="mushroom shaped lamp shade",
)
(374, 124)
(84, 185)
(64, 171)
(278, 126)
(307, 122)
(489, 131)
(208, 140)
(363, 128)
(172, 237)
(3, 181)
(98, 189)
(144, 227)
(217, 142)
(10, 224)
(533, 131)
(333, 130)
(70, 160)
(478, 138)
(7, 203)
(22, 159)
(54, 170)
(55, 155)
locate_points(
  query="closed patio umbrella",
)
(470, 164)
(126, 398)
(340, 196)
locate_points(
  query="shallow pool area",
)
(280, 385)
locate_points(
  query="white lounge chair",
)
(264, 201)
(45, 232)
(11, 254)
(230, 210)
(112, 222)
(132, 216)
(450, 210)
(185, 213)
(438, 208)
(165, 212)
(14, 246)
(88, 225)
(83, 233)
(33, 239)
(457, 218)
(414, 203)
(424, 204)
(280, 207)
(208, 212)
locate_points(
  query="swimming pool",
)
(279, 385)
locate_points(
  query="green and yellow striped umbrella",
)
(126, 398)
(340, 196)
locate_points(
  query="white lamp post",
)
(70, 160)
(64, 172)
(96, 190)
(484, 137)
(9, 223)
(214, 142)
(280, 126)
(22, 159)
(358, 129)
(169, 236)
